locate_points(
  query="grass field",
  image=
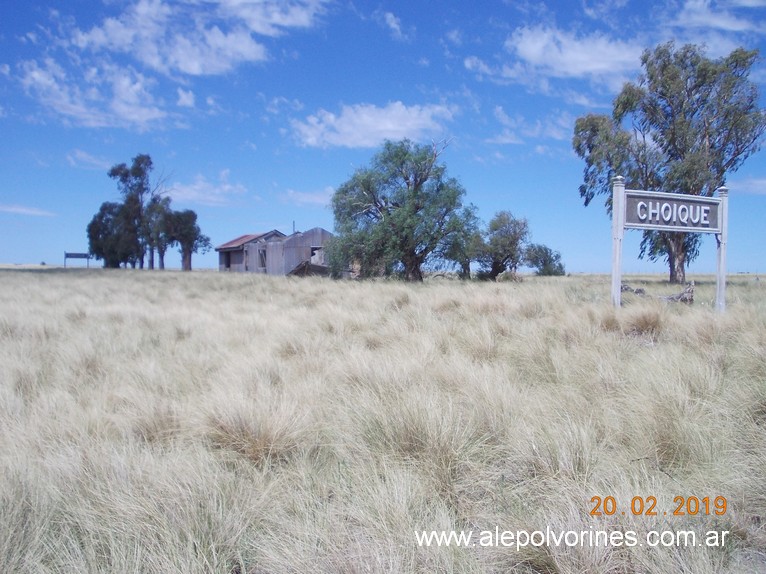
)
(167, 422)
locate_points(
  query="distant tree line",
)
(132, 231)
(403, 214)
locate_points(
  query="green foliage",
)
(681, 128)
(135, 188)
(503, 248)
(124, 233)
(157, 228)
(544, 260)
(185, 231)
(111, 235)
(400, 213)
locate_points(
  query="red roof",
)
(241, 240)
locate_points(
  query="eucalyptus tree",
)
(687, 123)
(184, 230)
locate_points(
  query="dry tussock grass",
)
(166, 422)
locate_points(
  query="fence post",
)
(618, 231)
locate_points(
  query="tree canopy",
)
(504, 246)
(399, 213)
(681, 128)
(125, 233)
(544, 260)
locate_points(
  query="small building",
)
(275, 253)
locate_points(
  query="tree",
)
(158, 233)
(109, 235)
(687, 123)
(464, 246)
(400, 213)
(183, 229)
(137, 193)
(503, 248)
(544, 259)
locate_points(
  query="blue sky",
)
(255, 111)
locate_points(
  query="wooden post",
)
(618, 231)
(720, 281)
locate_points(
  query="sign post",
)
(652, 210)
(618, 231)
(720, 278)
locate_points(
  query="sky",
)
(255, 111)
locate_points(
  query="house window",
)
(262, 258)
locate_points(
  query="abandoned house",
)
(275, 253)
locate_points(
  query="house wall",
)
(298, 248)
(254, 258)
(275, 264)
(282, 256)
(236, 261)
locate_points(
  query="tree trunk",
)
(186, 260)
(151, 257)
(161, 257)
(676, 258)
(412, 269)
(496, 269)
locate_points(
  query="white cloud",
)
(165, 39)
(602, 9)
(752, 186)
(394, 25)
(550, 52)
(24, 210)
(204, 192)
(700, 14)
(302, 198)
(82, 159)
(455, 37)
(276, 105)
(5, 69)
(106, 75)
(477, 65)
(185, 98)
(367, 125)
(273, 17)
(557, 126)
(107, 97)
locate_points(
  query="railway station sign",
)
(653, 210)
(672, 212)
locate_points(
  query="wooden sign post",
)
(635, 209)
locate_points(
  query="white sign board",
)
(635, 209)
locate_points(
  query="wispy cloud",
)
(109, 97)
(192, 38)
(555, 126)
(700, 14)
(751, 186)
(393, 24)
(25, 210)
(550, 52)
(109, 75)
(82, 159)
(185, 98)
(205, 192)
(302, 198)
(535, 55)
(367, 125)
